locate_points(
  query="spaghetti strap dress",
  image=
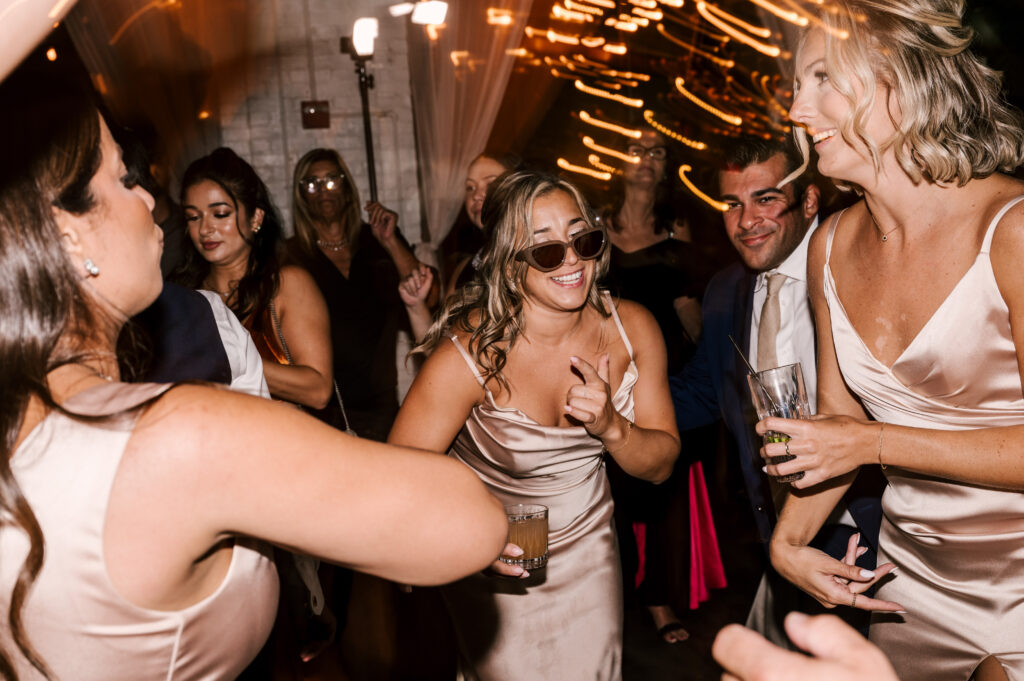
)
(564, 621)
(958, 547)
(74, 616)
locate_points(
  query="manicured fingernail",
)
(764, 469)
(568, 408)
(867, 574)
(574, 359)
(515, 552)
(900, 612)
(857, 537)
(525, 574)
(893, 571)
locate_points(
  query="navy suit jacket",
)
(713, 385)
(186, 345)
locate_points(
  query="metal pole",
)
(365, 83)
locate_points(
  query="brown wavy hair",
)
(490, 308)
(953, 122)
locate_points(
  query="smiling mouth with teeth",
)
(569, 278)
(822, 136)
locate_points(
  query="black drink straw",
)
(754, 374)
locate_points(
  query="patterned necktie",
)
(768, 329)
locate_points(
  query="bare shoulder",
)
(1007, 248)
(297, 281)
(638, 322)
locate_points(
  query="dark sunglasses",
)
(550, 255)
(312, 185)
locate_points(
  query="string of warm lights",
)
(786, 15)
(717, 205)
(559, 12)
(620, 25)
(688, 22)
(607, 4)
(759, 31)
(598, 123)
(598, 92)
(589, 143)
(582, 170)
(653, 15)
(728, 118)
(705, 11)
(595, 161)
(616, 48)
(636, 19)
(694, 144)
(499, 17)
(580, 7)
(727, 63)
(672, 3)
(592, 41)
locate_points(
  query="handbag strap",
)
(288, 356)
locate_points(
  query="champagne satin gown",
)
(564, 622)
(959, 548)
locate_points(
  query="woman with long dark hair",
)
(135, 514)
(235, 236)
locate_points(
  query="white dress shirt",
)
(795, 342)
(246, 363)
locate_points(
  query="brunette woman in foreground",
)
(135, 514)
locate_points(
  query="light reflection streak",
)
(597, 122)
(582, 170)
(608, 151)
(717, 205)
(728, 118)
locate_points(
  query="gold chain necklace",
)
(885, 235)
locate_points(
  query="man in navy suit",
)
(770, 226)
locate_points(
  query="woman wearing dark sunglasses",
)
(533, 375)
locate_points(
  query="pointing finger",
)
(586, 369)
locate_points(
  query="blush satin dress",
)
(959, 548)
(564, 621)
(74, 616)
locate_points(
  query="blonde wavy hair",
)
(490, 308)
(952, 122)
(303, 220)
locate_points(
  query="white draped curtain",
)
(458, 81)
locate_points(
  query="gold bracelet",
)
(625, 441)
(880, 431)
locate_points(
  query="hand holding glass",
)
(528, 529)
(780, 392)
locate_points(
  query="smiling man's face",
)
(764, 223)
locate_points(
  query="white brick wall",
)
(261, 120)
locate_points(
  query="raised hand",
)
(383, 221)
(590, 402)
(838, 653)
(414, 289)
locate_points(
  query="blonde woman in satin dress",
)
(533, 374)
(135, 514)
(918, 293)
